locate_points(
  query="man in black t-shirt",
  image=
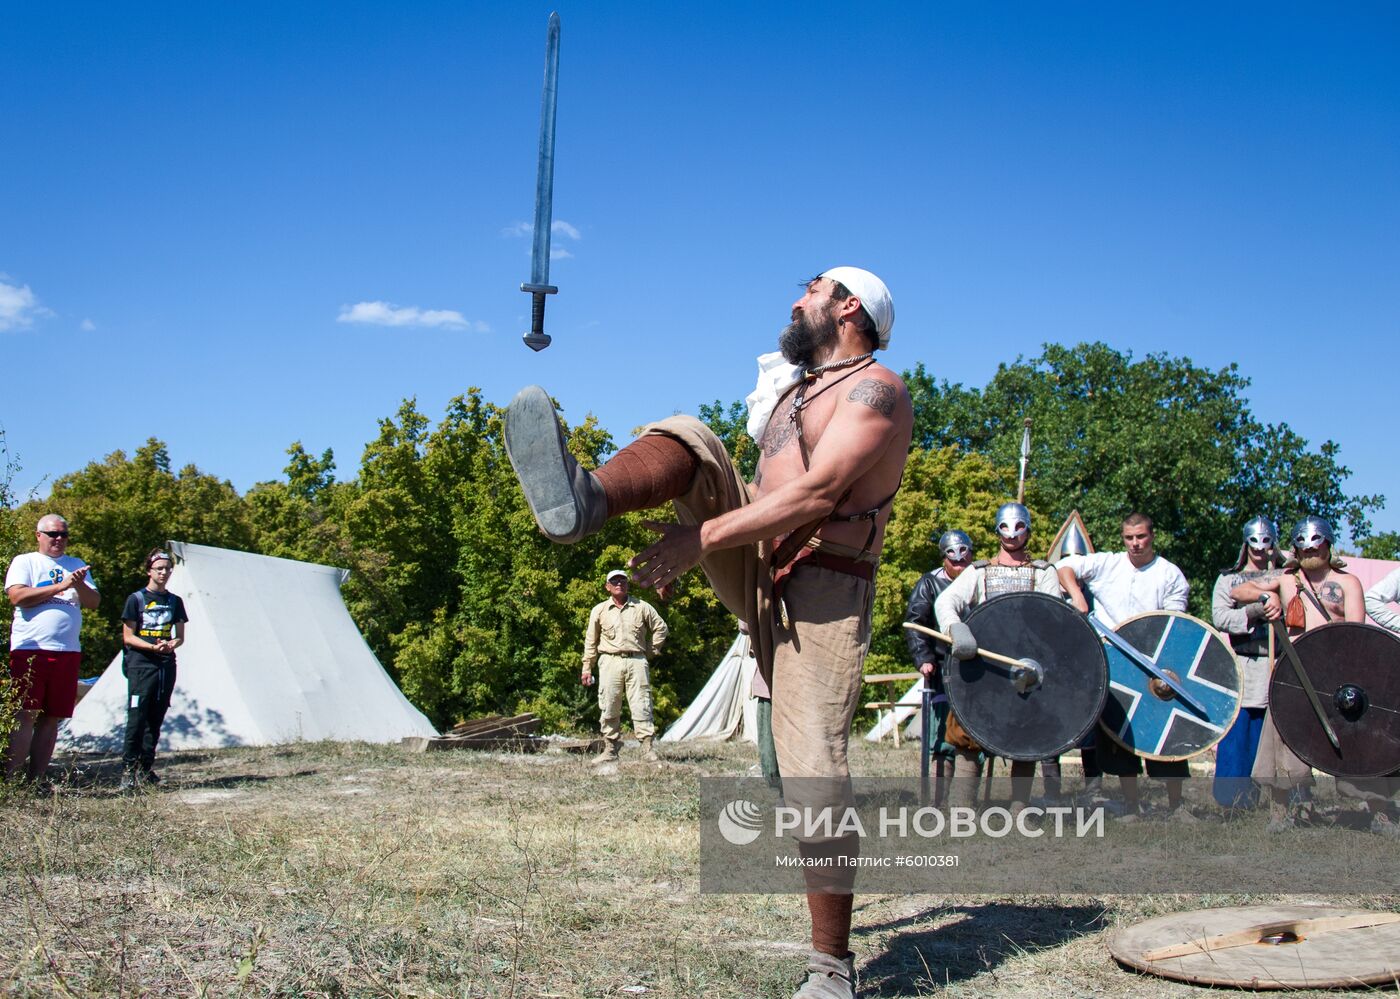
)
(153, 627)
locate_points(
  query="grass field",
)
(354, 870)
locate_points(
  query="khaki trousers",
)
(618, 675)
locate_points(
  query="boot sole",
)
(535, 446)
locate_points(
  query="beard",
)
(1314, 562)
(806, 336)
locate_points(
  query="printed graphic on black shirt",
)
(154, 616)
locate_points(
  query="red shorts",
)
(47, 681)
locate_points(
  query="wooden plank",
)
(491, 722)
(502, 730)
(514, 744)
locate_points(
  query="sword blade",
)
(538, 286)
(1291, 654)
(1140, 660)
(544, 178)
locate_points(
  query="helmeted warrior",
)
(929, 655)
(1011, 571)
(1312, 589)
(1249, 637)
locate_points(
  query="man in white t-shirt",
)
(49, 590)
(1123, 585)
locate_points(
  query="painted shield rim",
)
(1239, 688)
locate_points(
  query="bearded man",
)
(1312, 589)
(1011, 571)
(793, 555)
(1248, 631)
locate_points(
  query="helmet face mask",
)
(1312, 532)
(1261, 535)
(956, 546)
(1013, 522)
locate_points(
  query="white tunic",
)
(1121, 590)
(1387, 591)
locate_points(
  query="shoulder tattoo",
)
(874, 393)
(779, 429)
(1332, 593)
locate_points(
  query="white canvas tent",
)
(724, 708)
(271, 655)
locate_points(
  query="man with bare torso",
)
(793, 555)
(1314, 589)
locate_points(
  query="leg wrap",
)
(652, 470)
(829, 894)
(1022, 778)
(967, 769)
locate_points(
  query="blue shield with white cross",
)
(1147, 717)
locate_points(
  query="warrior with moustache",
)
(1011, 571)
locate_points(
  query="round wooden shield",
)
(1199, 658)
(1355, 669)
(1051, 716)
(1266, 947)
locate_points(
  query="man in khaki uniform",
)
(622, 633)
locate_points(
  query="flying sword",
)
(538, 286)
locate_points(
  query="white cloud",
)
(19, 306)
(87, 326)
(559, 253)
(558, 228)
(388, 314)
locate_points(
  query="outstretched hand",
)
(678, 551)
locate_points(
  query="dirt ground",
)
(355, 870)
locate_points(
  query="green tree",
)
(1161, 435)
(1383, 546)
(731, 426)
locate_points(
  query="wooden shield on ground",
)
(1266, 947)
(1054, 715)
(1355, 669)
(1199, 658)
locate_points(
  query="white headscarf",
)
(873, 295)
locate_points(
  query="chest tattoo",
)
(779, 430)
(1333, 595)
(874, 393)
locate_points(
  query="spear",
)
(1025, 458)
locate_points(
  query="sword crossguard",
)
(537, 339)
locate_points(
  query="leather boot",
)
(828, 977)
(567, 502)
(649, 755)
(612, 749)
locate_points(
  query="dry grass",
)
(350, 870)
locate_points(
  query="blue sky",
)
(236, 226)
